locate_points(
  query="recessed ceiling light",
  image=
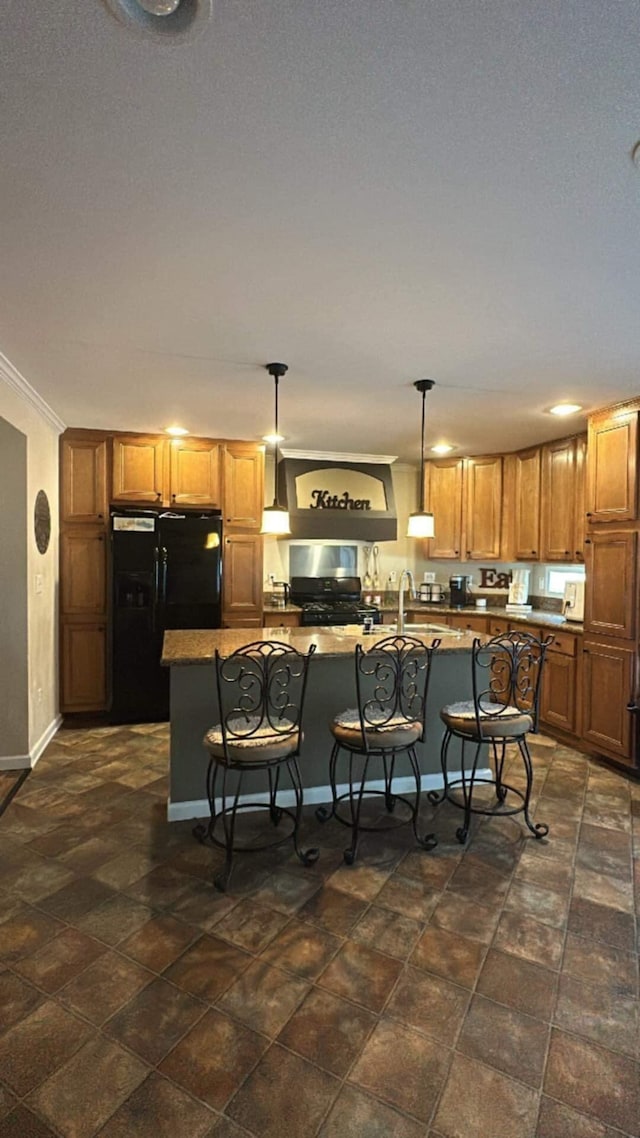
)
(565, 409)
(178, 19)
(442, 448)
(159, 7)
(176, 432)
(273, 439)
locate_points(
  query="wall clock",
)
(42, 521)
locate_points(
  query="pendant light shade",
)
(421, 523)
(275, 518)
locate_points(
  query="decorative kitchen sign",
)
(42, 521)
(338, 500)
(491, 579)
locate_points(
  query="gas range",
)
(331, 600)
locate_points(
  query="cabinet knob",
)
(566, 553)
(456, 551)
(173, 497)
(100, 537)
(588, 514)
(533, 553)
(587, 541)
(158, 496)
(100, 516)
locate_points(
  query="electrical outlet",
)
(39, 695)
(428, 578)
(541, 584)
(38, 582)
(393, 577)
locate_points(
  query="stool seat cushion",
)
(394, 732)
(265, 745)
(506, 723)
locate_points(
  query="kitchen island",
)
(330, 689)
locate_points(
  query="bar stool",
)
(506, 675)
(392, 680)
(261, 690)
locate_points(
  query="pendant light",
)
(421, 523)
(275, 518)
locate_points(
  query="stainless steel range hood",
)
(338, 497)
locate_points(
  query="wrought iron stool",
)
(392, 680)
(261, 690)
(506, 675)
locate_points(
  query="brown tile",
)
(429, 1003)
(53, 965)
(116, 919)
(356, 1113)
(26, 931)
(591, 1079)
(605, 851)
(359, 880)
(328, 1031)
(39, 878)
(604, 1013)
(506, 1039)
(161, 888)
(459, 915)
(302, 948)
(543, 905)
(203, 905)
(160, 1109)
(333, 910)
(409, 897)
(76, 899)
(277, 1080)
(86, 856)
(599, 962)
(22, 1123)
(159, 942)
(264, 998)
(479, 883)
(154, 1020)
(479, 1101)
(434, 868)
(17, 998)
(82, 1095)
(250, 925)
(208, 967)
(36, 1046)
(287, 892)
(104, 986)
(403, 1068)
(389, 932)
(449, 955)
(614, 892)
(126, 868)
(8, 1100)
(558, 1121)
(525, 937)
(599, 922)
(225, 1128)
(214, 1058)
(556, 875)
(361, 974)
(519, 984)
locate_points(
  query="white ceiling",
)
(372, 191)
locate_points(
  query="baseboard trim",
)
(313, 796)
(28, 762)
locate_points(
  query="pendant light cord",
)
(424, 395)
(276, 498)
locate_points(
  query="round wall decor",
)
(42, 521)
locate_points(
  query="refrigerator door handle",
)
(156, 587)
(163, 590)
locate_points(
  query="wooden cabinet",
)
(609, 683)
(83, 571)
(83, 481)
(168, 472)
(496, 626)
(471, 623)
(610, 606)
(559, 687)
(271, 618)
(562, 500)
(526, 527)
(242, 581)
(243, 486)
(194, 473)
(483, 508)
(139, 473)
(443, 496)
(612, 456)
(84, 674)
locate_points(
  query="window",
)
(556, 579)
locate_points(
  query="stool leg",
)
(436, 796)
(274, 810)
(467, 793)
(498, 759)
(229, 823)
(204, 830)
(429, 841)
(538, 829)
(355, 803)
(322, 814)
(389, 797)
(307, 857)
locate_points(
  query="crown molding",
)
(28, 394)
(335, 456)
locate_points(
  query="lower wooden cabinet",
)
(471, 623)
(271, 618)
(242, 590)
(609, 683)
(559, 688)
(84, 673)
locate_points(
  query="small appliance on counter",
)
(431, 593)
(460, 591)
(519, 592)
(573, 603)
(280, 594)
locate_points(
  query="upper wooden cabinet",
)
(562, 500)
(139, 469)
(610, 602)
(443, 496)
(526, 529)
(194, 473)
(612, 454)
(83, 477)
(243, 486)
(483, 507)
(242, 594)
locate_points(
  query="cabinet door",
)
(84, 676)
(559, 501)
(608, 686)
(580, 498)
(242, 579)
(558, 691)
(610, 603)
(471, 623)
(527, 505)
(194, 472)
(612, 467)
(138, 468)
(83, 571)
(243, 486)
(483, 501)
(443, 496)
(83, 478)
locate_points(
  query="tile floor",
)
(490, 992)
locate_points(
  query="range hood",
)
(339, 497)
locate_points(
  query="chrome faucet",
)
(406, 577)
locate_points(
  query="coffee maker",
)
(459, 591)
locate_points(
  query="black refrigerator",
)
(166, 572)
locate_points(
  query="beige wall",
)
(19, 407)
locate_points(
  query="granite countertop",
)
(540, 617)
(198, 646)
